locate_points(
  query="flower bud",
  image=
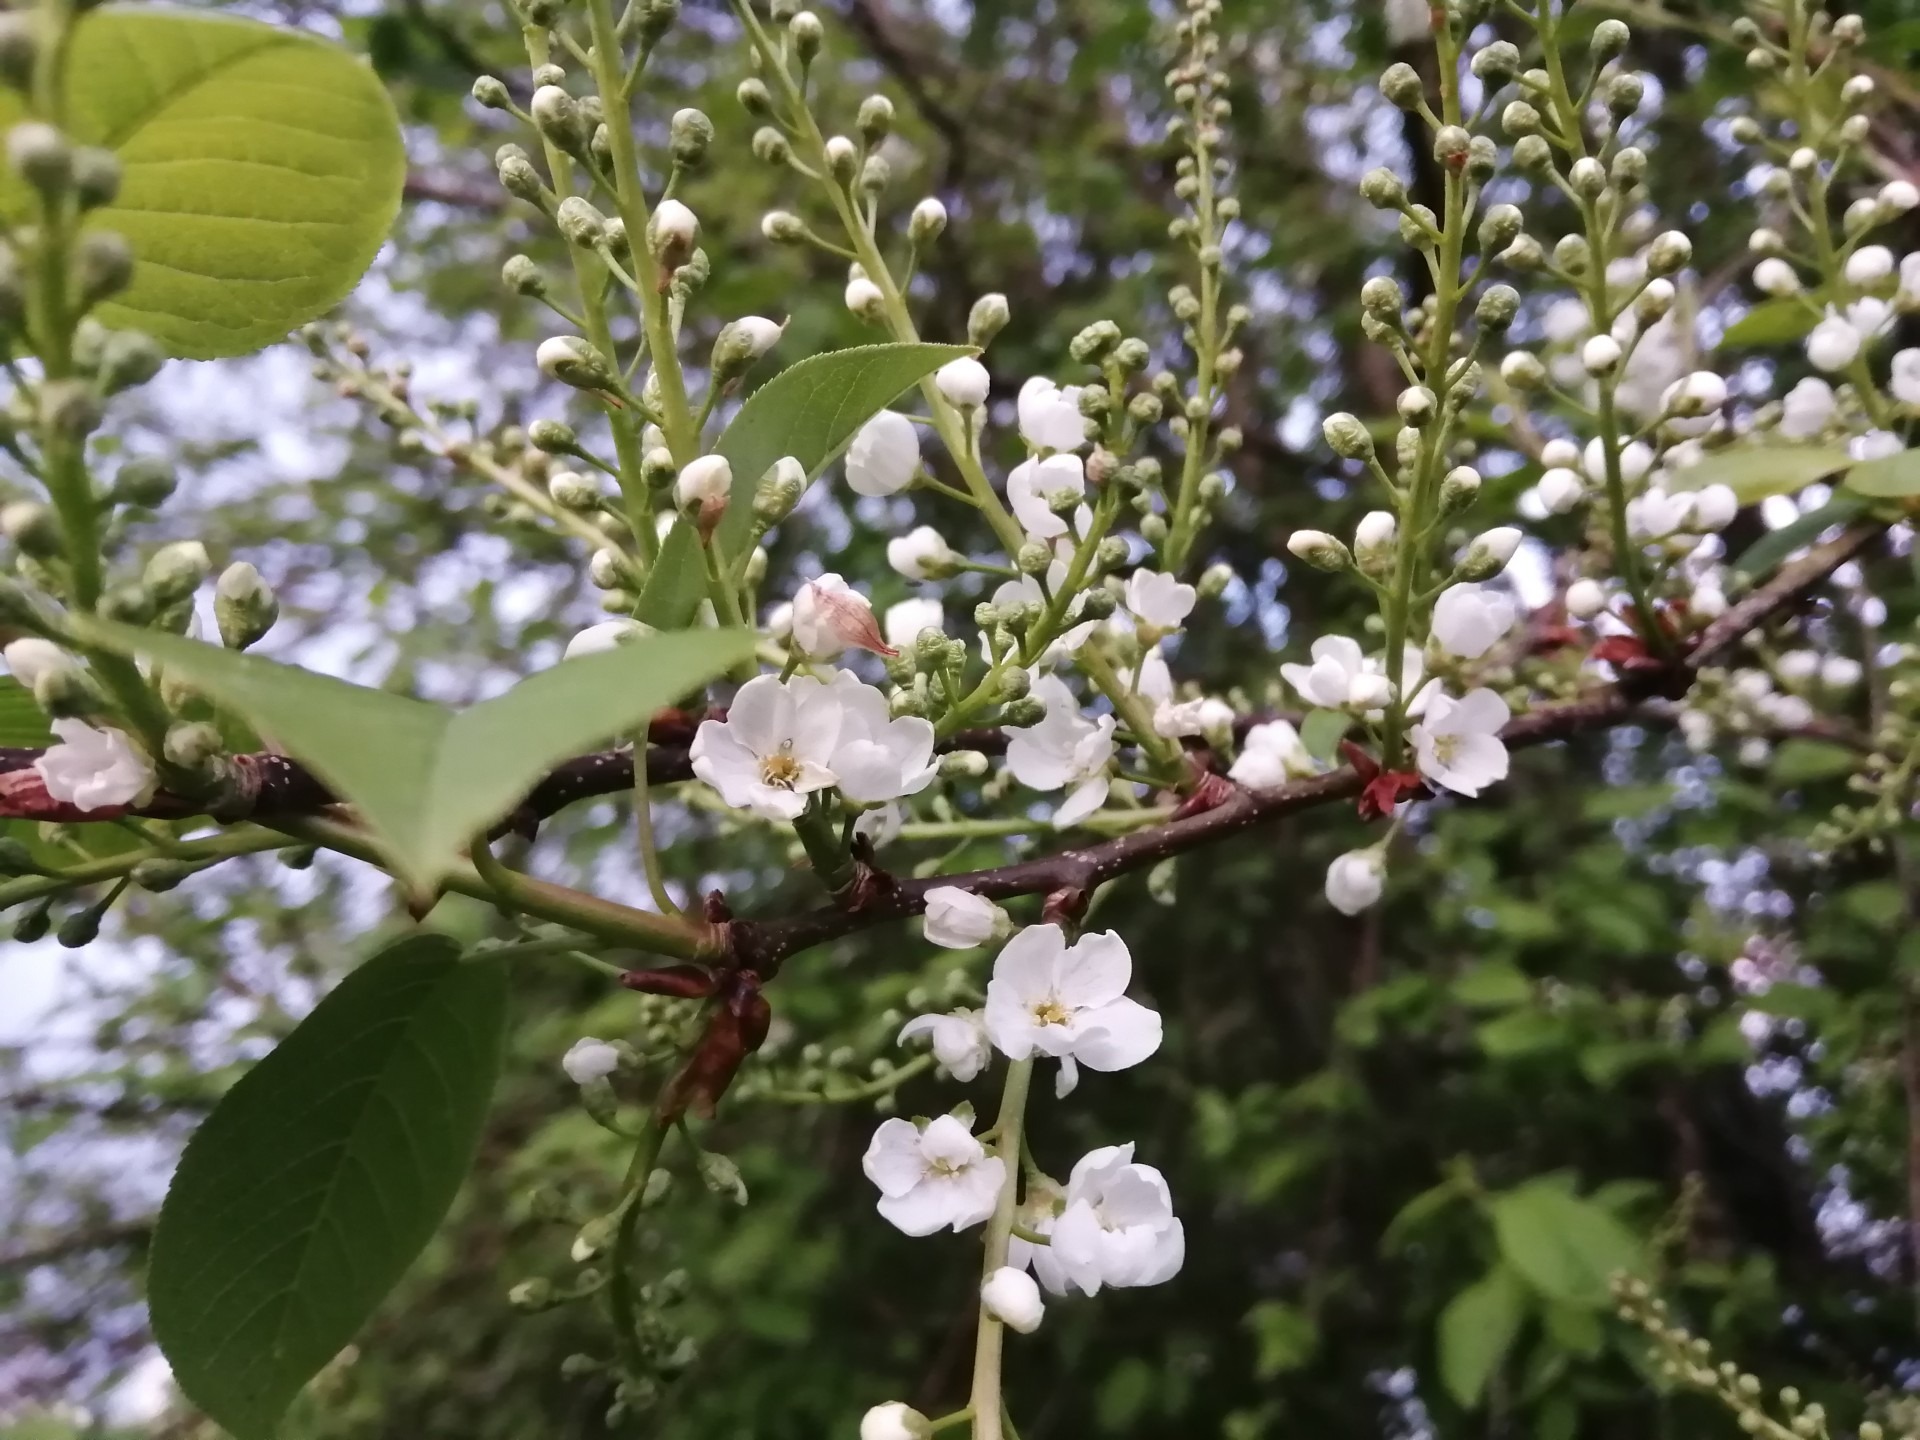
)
(689, 135)
(1373, 542)
(32, 527)
(1418, 226)
(1320, 550)
(1383, 189)
(193, 745)
(1669, 252)
(556, 115)
(875, 119)
(243, 606)
(1458, 488)
(741, 343)
(1489, 553)
(523, 277)
(40, 155)
(1417, 405)
(176, 570)
(1586, 599)
(928, 221)
(1520, 118)
(866, 301)
(843, 158)
(571, 490)
(1498, 305)
(1500, 227)
(1497, 63)
(1011, 1297)
(671, 232)
(875, 174)
(963, 383)
(894, 1421)
(1588, 177)
(1600, 355)
(987, 319)
(572, 361)
(553, 437)
(1532, 155)
(19, 49)
(580, 223)
(1523, 371)
(1401, 85)
(1383, 296)
(1654, 302)
(807, 34)
(706, 479)
(771, 147)
(144, 481)
(1451, 144)
(779, 491)
(1347, 436)
(783, 228)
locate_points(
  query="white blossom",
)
(1205, 716)
(1635, 459)
(1655, 513)
(960, 919)
(1068, 1001)
(706, 478)
(1807, 409)
(1036, 487)
(1457, 743)
(1011, 1297)
(588, 1060)
(1586, 599)
(759, 333)
(894, 1421)
(904, 621)
(1774, 276)
(1468, 620)
(1271, 755)
(1064, 751)
(932, 1177)
(1158, 599)
(30, 658)
(921, 554)
(1869, 265)
(1714, 507)
(829, 615)
(964, 382)
(594, 640)
(1900, 195)
(1116, 1228)
(94, 769)
(1834, 343)
(1356, 880)
(876, 755)
(864, 299)
(884, 456)
(1050, 416)
(1340, 677)
(1875, 445)
(1561, 489)
(1904, 383)
(1841, 672)
(773, 749)
(959, 1041)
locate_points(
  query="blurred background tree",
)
(1620, 973)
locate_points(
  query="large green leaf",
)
(1566, 1248)
(262, 169)
(1756, 472)
(424, 778)
(318, 1177)
(1770, 549)
(23, 724)
(678, 581)
(1476, 1330)
(1894, 477)
(811, 410)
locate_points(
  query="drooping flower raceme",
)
(934, 1176)
(1457, 743)
(1068, 1001)
(1064, 751)
(1117, 1228)
(959, 1041)
(774, 748)
(94, 769)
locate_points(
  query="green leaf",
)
(1769, 550)
(23, 724)
(678, 581)
(1322, 731)
(1800, 761)
(1893, 477)
(811, 410)
(1773, 322)
(424, 778)
(1492, 985)
(1522, 1032)
(319, 1176)
(261, 169)
(1477, 1329)
(1566, 1248)
(1756, 472)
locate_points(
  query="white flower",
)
(1875, 445)
(1408, 22)
(1272, 754)
(1050, 416)
(1707, 601)
(864, 299)
(1011, 1297)
(921, 554)
(759, 333)
(1469, 619)
(894, 1421)
(1490, 551)
(709, 477)
(1774, 276)
(1635, 460)
(1160, 600)
(829, 615)
(1035, 487)
(1655, 514)
(594, 640)
(589, 1059)
(1373, 538)
(1356, 880)
(30, 658)
(1869, 265)
(1561, 489)
(959, 1041)
(1909, 293)
(1798, 666)
(964, 382)
(904, 621)
(1205, 716)
(1338, 677)
(1833, 344)
(960, 919)
(934, 1177)
(1714, 507)
(1068, 1001)
(673, 221)
(773, 749)
(884, 456)
(1586, 599)
(94, 769)
(1117, 1228)
(876, 756)
(1458, 743)
(1904, 382)
(1600, 354)
(1807, 409)
(1899, 195)
(1841, 672)
(1065, 750)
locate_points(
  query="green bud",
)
(807, 33)
(491, 91)
(16, 859)
(573, 361)
(1610, 39)
(1347, 436)
(1023, 712)
(1417, 227)
(194, 745)
(1033, 558)
(19, 49)
(129, 604)
(580, 223)
(1498, 305)
(656, 19)
(102, 266)
(32, 527)
(556, 115)
(1497, 63)
(689, 135)
(771, 147)
(1532, 155)
(518, 177)
(129, 358)
(96, 177)
(1500, 227)
(987, 319)
(34, 924)
(1383, 189)
(875, 173)
(1146, 408)
(40, 155)
(523, 277)
(779, 491)
(144, 481)
(1093, 343)
(532, 1295)
(754, 97)
(176, 570)
(78, 929)
(70, 408)
(1401, 85)
(875, 119)
(243, 606)
(1214, 580)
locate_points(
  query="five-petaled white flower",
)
(1159, 600)
(1338, 677)
(773, 749)
(884, 456)
(1050, 416)
(1064, 751)
(1116, 1228)
(1036, 487)
(1469, 620)
(921, 554)
(588, 1060)
(1458, 743)
(94, 769)
(876, 756)
(959, 1041)
(961, 920)
(829, 615)
(1271, 755)
(934, 1176)
(1068, 1001)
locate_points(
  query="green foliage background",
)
(1546, 993)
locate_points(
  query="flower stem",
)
(985, 1399)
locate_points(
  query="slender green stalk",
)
(245, 840)
(985, 1397)
(643, 822)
